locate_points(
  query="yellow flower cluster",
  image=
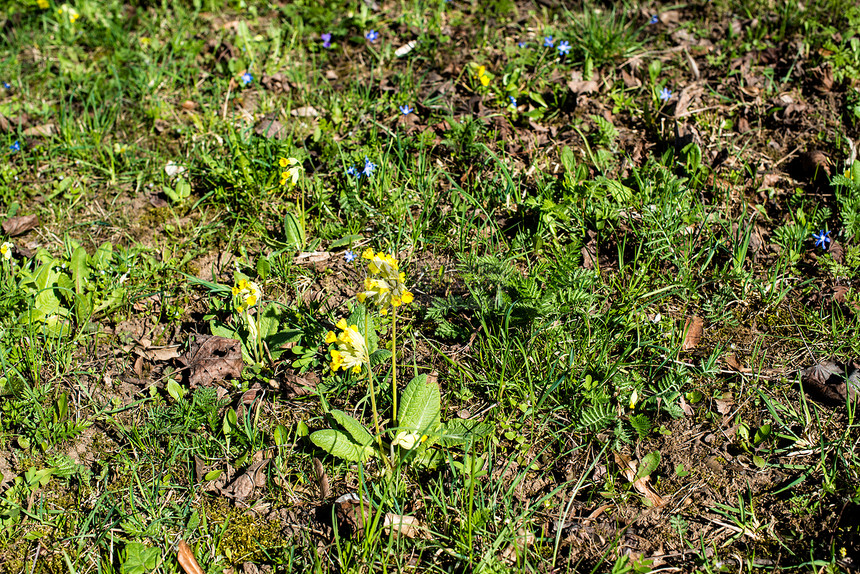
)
(482, 76)
(386, 286)
(43, 4)
(6, 250)
(351, 352)
(290, 176)
(68, 12)
(246, 294)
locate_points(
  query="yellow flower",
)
(6, 250)
(292, 174)
(69, 12)
(482, 76)
(351, 352)
(246, 294)
(43, 4)
(387, 286)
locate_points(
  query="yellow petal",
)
(341, 324)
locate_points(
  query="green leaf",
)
(175, 390)
(83, 307)
(648, 464)
(379, 356)
(139, 558)
(80, 269)
(355, 429)
(340, 445)
(269, 320)
(346, 240)
(294, 234)
(459, 431)
(420, 406)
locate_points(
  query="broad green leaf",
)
(340, 445)
(419, 406)
(346, 240)
(294, 235)
(83, 307)
(355, 429)
(460, 431)
(174, 389)
(379, 356)
(139, 558)
(648, 464)
(80, 269)
(103, 255)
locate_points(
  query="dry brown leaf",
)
(826, 381)
(350, 513)
(583, 86)
(405, 525)
(305, 112)
(725, 404)
(734, 364)
(213, 359)
(322, 479)
(313, 256)
(271, 128)
(521, 543)
(20, 224)
(629, 468)
(42, 131)
(186, 559)
(693, 329)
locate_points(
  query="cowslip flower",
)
(548, 42)
(406, 110)
(290, 176)
(369, 167)
(482, 76)
(247, 78)
(563, 47)
(386, 285)
(6, 250)
(665, 94)
(351, 352)
(822, 238)
(68, 12)
(16, 146)
(372, 35)
(246, 294)
(408, 439)
(326, 38)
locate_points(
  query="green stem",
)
(394, 364)
(370, 385)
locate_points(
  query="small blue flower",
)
(369, 167)
(406, 110)
(326, 38)
(247, 78)
(654, 19)
(563, 47)
(353, 171)
(521, 44)
(372, 35)
(15, 146)
(513, 101)
(7, 85)
(822, 238)
(665, 94)
(548, 42)
(349, 256)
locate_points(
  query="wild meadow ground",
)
(435, 286)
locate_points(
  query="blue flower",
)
(563, 47)
(326, 38)
(513, 101)
(548, 42)
(15, 146)
(521, 44)
(822, 238)
(654, 19)
(349, 256)
(665, 94)
(406, 110)
(369, 167)
(247, 78)
(7, 85)
(353, 171)
(372, 35)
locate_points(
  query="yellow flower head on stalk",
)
(291, 175)
(386, 287)
(43, 4)
(6, 250)
(68, 12)
(246, 294)
(351, 352)
(482, 76)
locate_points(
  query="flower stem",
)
(370, 385)
(394, 364)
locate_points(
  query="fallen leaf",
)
(186, 559)
(579, 87)
(243, 486)
(312, 256)
(350, 513)
(20, 225)
(826, 381)
(305, 112)
(693, 329)
(322, 479)
(523, 540)
(724, 404)
(629, 468)
(271, 128)
(734, 364)
(42, 131)
(213, 359)
(405, 525)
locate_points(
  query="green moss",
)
(244, 534)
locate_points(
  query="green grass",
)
(556, 249)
